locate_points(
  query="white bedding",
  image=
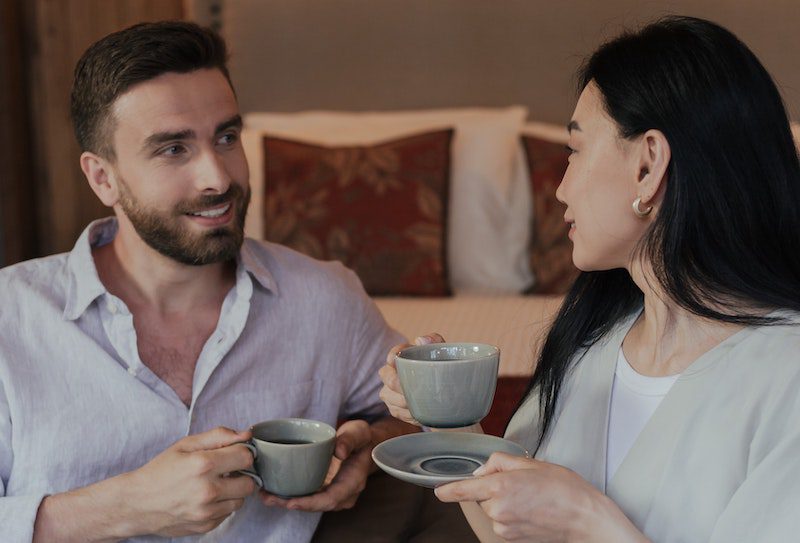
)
(514, 323)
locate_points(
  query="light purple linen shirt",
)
(296, 338)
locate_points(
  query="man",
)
(130, 366)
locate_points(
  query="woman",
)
(664, 405)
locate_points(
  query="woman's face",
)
(599, 186)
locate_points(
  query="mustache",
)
(234, 193)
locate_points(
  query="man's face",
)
(180, 168)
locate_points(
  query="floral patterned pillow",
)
(551, 249)
(381, 209)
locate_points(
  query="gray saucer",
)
(432, 459)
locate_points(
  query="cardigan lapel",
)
(582, 439)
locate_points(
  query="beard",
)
(167, 232)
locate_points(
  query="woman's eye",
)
(570, 150)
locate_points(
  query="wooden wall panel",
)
(18, 236)
(62, 30)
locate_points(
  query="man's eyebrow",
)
(154, 140)
(159, 138)
(233, 122)
(573, 125)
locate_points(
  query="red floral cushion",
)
(380, 210)
(551, 249)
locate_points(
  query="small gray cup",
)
(448, 385)
(291, 456)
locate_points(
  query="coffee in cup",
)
(291, 456)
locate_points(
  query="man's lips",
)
(213, 217)
(212, 213)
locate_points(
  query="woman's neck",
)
(666, 338)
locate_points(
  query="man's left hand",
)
(347, 477)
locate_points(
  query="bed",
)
(448, 216)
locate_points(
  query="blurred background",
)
(293, 55)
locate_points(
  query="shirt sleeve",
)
(766, 506)
(17, 513)
(375, 340)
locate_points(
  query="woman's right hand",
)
(392, 393)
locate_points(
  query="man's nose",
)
(212, 175)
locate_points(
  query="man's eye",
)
(228, 139)
(173, 150)
(570, 150)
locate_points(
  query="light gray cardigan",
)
(718, 462)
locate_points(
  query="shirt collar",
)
(84, 282)
(255, 266)
(85, 285)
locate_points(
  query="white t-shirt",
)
(634, 399)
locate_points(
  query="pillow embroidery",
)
(551, 249)
(381, 209)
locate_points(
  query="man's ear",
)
(100, 176)
(654, 157)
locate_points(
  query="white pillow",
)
(547, 131)
(486, 251)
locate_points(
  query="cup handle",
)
(252, 472)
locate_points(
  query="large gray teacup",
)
(292, 456)
(448, 385)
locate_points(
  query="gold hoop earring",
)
(641, 212)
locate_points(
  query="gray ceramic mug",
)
(291, 456)
(448, 385)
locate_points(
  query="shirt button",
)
(132, 371)
(221, 338)
(112, 307)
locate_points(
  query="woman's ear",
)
(99, 174)
(654, 160)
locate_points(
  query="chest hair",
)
(172, 355)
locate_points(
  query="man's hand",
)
(347, 477)
(190, 488)
(187, 488)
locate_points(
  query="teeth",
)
(213, 213)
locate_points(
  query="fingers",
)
(393, 398)
(388, 375)
(352, 436)
(468, 490)
(331, 498)
(500, 461)
(396, 349)
(235, 487)
(213, 439)
(421, 340)
(396, 403)
(224, 460)
(427, 339)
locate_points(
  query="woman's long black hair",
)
(726, 242)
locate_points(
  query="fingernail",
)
(422, 340)
(436, 491)
(480, 471)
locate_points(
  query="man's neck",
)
(146, 279)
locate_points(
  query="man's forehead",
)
(174, 102)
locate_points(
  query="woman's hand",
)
(392, 392)
(530, 500)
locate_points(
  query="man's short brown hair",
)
(123, 59)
